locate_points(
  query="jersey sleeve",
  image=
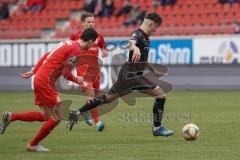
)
(101, 42)
(40, 62)
(135, 36)
(68, 66)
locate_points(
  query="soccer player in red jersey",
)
(49, 68)
(90, 73)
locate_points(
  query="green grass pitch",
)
(128, 136)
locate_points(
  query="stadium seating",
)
(186, 17)
(9, 1)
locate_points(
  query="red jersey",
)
(59, 61)
(91, 66)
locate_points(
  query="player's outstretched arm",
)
(37, 66)
(27, 74)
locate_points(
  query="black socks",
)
(158, 108)
(93, 103)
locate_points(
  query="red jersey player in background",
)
(49, 68)
(90, 73)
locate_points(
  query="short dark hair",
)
(89, 34)
(86, 15)
(154, 17)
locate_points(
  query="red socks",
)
(46, 128)
(27, 116)
(94, 114)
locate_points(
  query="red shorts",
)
(44, 94)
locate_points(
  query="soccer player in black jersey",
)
(131, 77)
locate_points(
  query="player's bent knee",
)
(56, 118)
(110, 98)
(161, 96)
(45, 113)
(46, 117)
(59, 113)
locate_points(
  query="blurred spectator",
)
(136, 16)
(98, 7)
(89, 5)
(125, 9)
(4, 11)
(34, 5)
(163, 2)
(228, 1)
(107, 8)
(236, 27)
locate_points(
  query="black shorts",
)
(132, 78)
